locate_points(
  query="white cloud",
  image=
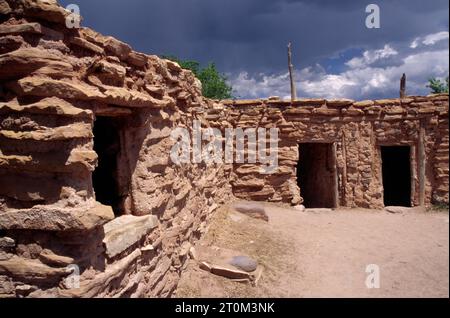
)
(370, 57)
(434, 38)
(266, 85)
(328, 84)
(414, 43)
(361, 79)
(430, 39)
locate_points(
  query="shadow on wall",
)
(396, 169)
(121, 142)
(316, 175)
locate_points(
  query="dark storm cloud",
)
(251, 35)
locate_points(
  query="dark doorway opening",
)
(396, 169)
(107, 147)
(316, 175)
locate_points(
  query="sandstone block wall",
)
(356, 130)
(55, 83)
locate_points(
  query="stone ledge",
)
(40, 9)
(47, 106)
(30, 270)
(72, 131)
(125, 231)
(35, 28)
(47, 219)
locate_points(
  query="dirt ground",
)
(326, 253)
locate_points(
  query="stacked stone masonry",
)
(57, 83)
(357, 130)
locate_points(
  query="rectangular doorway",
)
(105, 176)
(316, 175)
(396, 171)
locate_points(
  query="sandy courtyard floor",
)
(325, 254)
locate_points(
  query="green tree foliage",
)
(214, 84)
(437, 86)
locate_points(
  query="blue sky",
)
(335, 55)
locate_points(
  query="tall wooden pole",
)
(291, 74)
(403, 86)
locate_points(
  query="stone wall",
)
(55, 83)
(356, 130)
(58, 84)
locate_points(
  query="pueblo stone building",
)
(91, 204)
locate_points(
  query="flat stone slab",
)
(125, 231)
(31, 270)
(229, 272)
(7, 242)
(319, 210)
(48, 219)
(51, 259)
(244, 263)
(227, 263)
(402, 209)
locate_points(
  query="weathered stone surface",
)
(72, 131)
(339, 102)
(403, 209)
(118, 48)
(100, 283)
(85, 158)
(127, 98)
(44, 87)
(193, 253)
(309, 101)
(4, 7)
(77, 161)
(28, 270)
(384, 102)
(125, 231)
(7, 242)
(253, 183)
(155, 89)
(229, 272)
(244, 263)
(326, 112)
(352, 112)
(10, 43)
(56, 220)
(364, 103)
(87, 45)
(51, 259)
(35, 28)
(112, 111)
(173, 66)
(248, 169)
(47, 106)
(33, 60)
(318, 210)
(44, 9)
(205, 266)
(137, 59)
